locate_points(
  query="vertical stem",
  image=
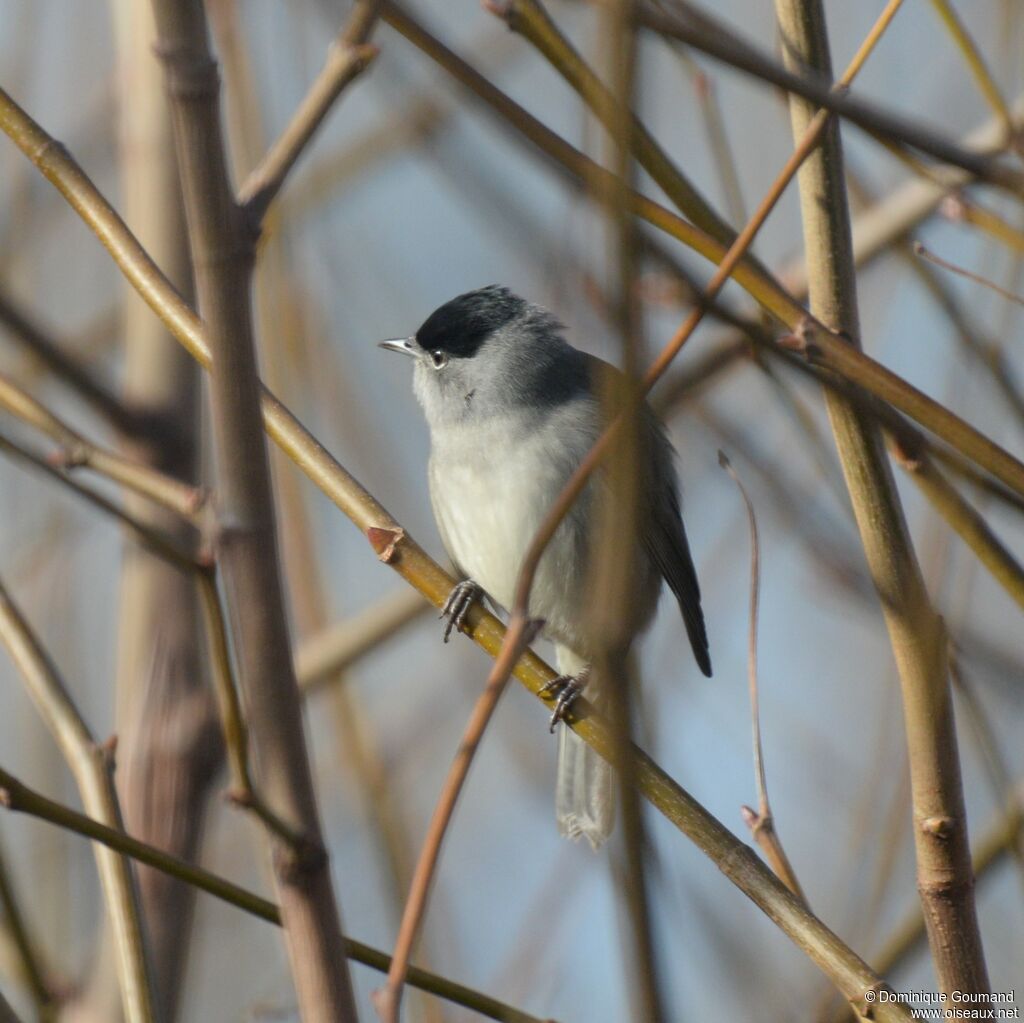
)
(169, 745)
(616, 568)
(90, 764)
(223, 254)
(945, 879)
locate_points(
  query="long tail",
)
(584, 792)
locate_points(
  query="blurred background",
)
(411, 194)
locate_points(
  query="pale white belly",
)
(488, 510)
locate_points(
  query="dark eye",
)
(439, 359)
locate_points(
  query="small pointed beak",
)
(402, 345)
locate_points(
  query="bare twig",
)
(716, 40)
(75, 450)
(33, 969)
(64, 365)
(760, 821)
(90, 764)
(387, 999)
(19, 798)
(972, 56)
(920, 250)
(345, 62)
(613, 569)
(325, 655)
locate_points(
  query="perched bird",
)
(512, 409)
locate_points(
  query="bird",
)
(512, 408)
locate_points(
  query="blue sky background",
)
(517, 911)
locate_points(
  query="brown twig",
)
(34, 971)
(221, 246)
(345, 62)
(19, 798)
(65, 366)
(613, 568)
(387, 1000)
(760, 821)
(90, 763)
(716, 40)
(75, 450)
(324, 656)
(920, 250)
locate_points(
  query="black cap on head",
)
(462, 325)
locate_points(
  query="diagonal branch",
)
(31, 336)
(19, 798)
(716, 40)
(90, 765)
(345, 62)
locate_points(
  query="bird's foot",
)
(565, 689)
(457, 606)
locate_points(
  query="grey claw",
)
(457, 606)
(566, 688)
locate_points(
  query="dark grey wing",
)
(664, 538)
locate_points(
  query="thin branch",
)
(907, 205)
(966, 520)
(90, 765)
(958, 209)
(165, 546)
(345, 62)
(322, 657)
(387, 1000)
(76, 374)
(761, 821)
(33, 969)
(167, 491)
(976, 62)
(920, 250)
(19, 798)
(716, 40)
(613, 569)
(530, 19)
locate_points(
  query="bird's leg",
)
(457, 606)
(565, 688)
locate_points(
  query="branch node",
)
(940, 827)
(108, 753)
(299, 857)
(953, 207)
(503, 10)
(385, 540)
(68, 456)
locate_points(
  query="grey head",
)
(490, 353)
